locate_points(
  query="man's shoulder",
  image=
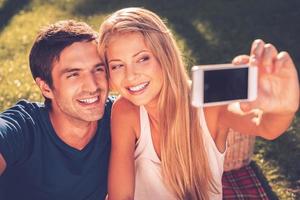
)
(30, 104)
(24, 107)
(108, 105)
(111, 99)
(109, 102)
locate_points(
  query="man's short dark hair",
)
(51, 41)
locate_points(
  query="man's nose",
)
(90, 83)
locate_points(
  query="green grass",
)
(207, 31)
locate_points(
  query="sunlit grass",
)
(276, 180)
(2, 3)
(206, 31)
(15, 43)
(280, 162)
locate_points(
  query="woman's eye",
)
(143, 59)
(115, 66)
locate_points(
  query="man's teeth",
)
(90, 100)
(138, 87)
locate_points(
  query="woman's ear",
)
(44, 87)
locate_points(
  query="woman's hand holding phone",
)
(278, 83)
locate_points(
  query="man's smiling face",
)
(80, 85)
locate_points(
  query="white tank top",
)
(148, 180)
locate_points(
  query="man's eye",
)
(75, 74)
(100, 69)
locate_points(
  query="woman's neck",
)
(152, 110)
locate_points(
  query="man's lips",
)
(88, 101)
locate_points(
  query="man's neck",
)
(75, 133)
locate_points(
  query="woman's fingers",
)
(269, 56)
(283, 60)
(256, 52)
(241, 59)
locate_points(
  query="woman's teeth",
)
(138, 87)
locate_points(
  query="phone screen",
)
(225, 85)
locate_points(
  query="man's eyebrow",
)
(99, 64)
(76, 69)
(69, 70)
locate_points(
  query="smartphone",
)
(223, 84)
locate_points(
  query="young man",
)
(59, 150)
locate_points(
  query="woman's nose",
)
(131, 73)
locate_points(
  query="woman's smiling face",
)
(134, 71)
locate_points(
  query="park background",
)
(208, 31)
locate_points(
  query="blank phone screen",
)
(225, 85)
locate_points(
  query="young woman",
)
(162, 147)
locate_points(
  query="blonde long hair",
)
(185, 168)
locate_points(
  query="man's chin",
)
(93, 116)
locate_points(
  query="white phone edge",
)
(197, 97)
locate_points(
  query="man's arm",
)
(2, 164)
(16, 125)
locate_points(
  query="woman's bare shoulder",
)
(124, 106)
(125, 113)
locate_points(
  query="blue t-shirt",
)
(40, 166)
